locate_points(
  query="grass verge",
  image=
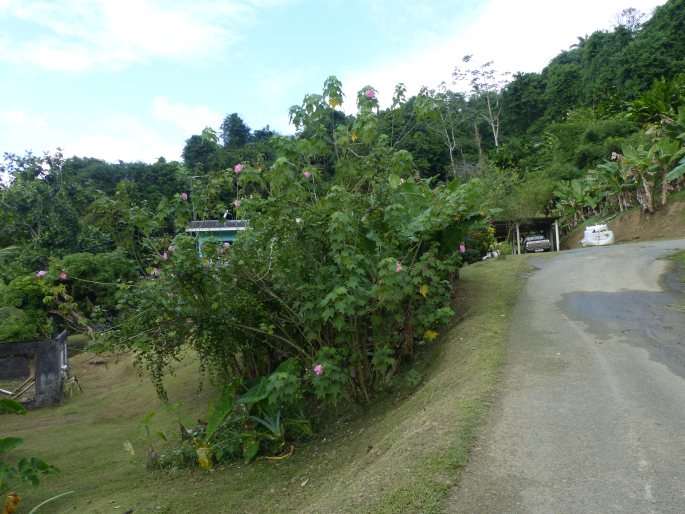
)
(679, 258)
(401, 454)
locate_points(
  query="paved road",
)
(591, 417)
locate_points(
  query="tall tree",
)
(522, 102)
(485, 86)
(445, 114)
(200, 153)
(234, 132)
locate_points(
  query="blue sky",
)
(133, 79)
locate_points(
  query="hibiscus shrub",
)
(348, 260)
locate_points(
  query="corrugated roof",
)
(216, 225)
(504, 227)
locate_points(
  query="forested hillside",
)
(358, 223)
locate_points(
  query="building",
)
(220, 231)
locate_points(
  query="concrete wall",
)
(14, 367)
(48, 358)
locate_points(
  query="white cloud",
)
(18, 119)
(109, 136)
(115, 137)
(509, 33)
(76, 35)
(192, 119)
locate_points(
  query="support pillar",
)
(556, 234)
(518, 239)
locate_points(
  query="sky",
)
(132, 80)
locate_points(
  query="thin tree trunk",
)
(665, 188)
(648, 203)
(479, 141)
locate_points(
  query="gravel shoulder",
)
(591, 414)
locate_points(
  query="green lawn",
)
(401, 454)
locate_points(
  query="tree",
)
(522, 102)
(563, 90)
(40, 207)
(485, 87)
(263, 134)
(660, 103)
(200, 153)
(340, 273)
(602, 59)
(631, 19)
(446, 115)
(234, 132)
(658, 50)
(652, 169)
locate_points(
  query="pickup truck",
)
(536, 243)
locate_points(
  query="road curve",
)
(591, 416)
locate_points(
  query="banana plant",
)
(640, 168)
(616, 182)
(665, 155)
(575, 200)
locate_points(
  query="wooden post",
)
(556, 233)
(518, 239)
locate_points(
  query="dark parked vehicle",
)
(536, 243)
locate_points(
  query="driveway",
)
(591, 415)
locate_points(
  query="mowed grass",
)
(403, 453)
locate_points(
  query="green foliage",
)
(250, 419)
(27, 469)
(22, 302)
(522, 103)
(656, 51)
(519, 197)
(234, 132)
(16, 325)
(219, 412)
(661, 102)
(93, 280)
(39, 207)
(479, 241)
(330, 271)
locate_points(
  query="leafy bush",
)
(24, 315)
(16, 325)
(92, 279)
(337, 275)
(27, 469)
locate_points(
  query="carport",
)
(511, 230)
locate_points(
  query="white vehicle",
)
(597, 235)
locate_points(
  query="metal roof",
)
(216, 226)
(504, 227)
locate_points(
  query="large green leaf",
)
(256, 393)
(287, 366)
(250, 448)
(222, 409)
(451, 237)
(12, 406)
(676, 172)
(7, 443)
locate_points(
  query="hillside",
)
(635, 225)
(400, 454)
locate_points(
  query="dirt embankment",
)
(666, 223)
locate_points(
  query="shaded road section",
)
(591, 417)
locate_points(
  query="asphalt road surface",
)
(591, 416)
